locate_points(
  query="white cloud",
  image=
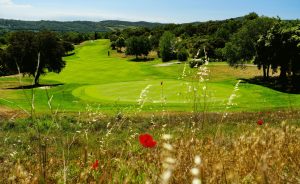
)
(11, 4)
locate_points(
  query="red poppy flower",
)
(147, 141)
(260, 122)
(95, 165)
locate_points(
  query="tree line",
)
(270, 43)
(70, 26)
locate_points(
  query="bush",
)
(113, 45)
(195, 63)
(166, 46)
(182, 55)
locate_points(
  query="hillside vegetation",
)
(76, 26)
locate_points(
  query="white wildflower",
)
(196, 181)
(170, 160)
(166, 137)
(197, 160)
(195, 171)
(168, 146)
(165, 177)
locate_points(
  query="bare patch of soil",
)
(6, 114)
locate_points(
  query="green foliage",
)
(77, 26)
(182, 55)
(140, 31)
(68, 46)
(279, 47)
(167, 46)
(154, 41)
(241, 47)
(75, 37)
(3, 39)
(120, 42)
(26, 48)
(196, 63)
(138, 46)
(251, 16)
(3, 67)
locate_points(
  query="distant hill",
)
(78, 26)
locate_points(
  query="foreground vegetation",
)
(93, 147)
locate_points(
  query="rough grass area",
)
(91, 77)
(64, 148)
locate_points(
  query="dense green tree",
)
(279, 47)
(138, 46)
(227, 29)
(3, 65)
(139, 31)
(263, 57)
(68, 46)
(113, 37)
(182, 54)
(75, 37)
(35, 54)
(251, 16)
(3, 40)
(51, 51)
(146, 45)
(120, 42)
(21, 52)
(96, 36)
(167, 46)
(154, 41)
(241, 47)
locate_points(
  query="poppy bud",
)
(260, 122)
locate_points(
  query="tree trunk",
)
(283, 71)
(264, 70)
(37, 79)
(37, 73)
(268, 71)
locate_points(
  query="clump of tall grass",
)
(167, 160)
(265, 155)
(143, 97)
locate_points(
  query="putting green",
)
(154, 91)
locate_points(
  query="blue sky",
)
(166, 11)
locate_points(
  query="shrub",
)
(195, 63)
(166, 46)
(182, 55)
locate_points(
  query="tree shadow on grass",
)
(141, 59)
(290, 86)
(42, 86)
(70, 54)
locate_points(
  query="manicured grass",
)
(92, 77)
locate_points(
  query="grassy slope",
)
(91, 77)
